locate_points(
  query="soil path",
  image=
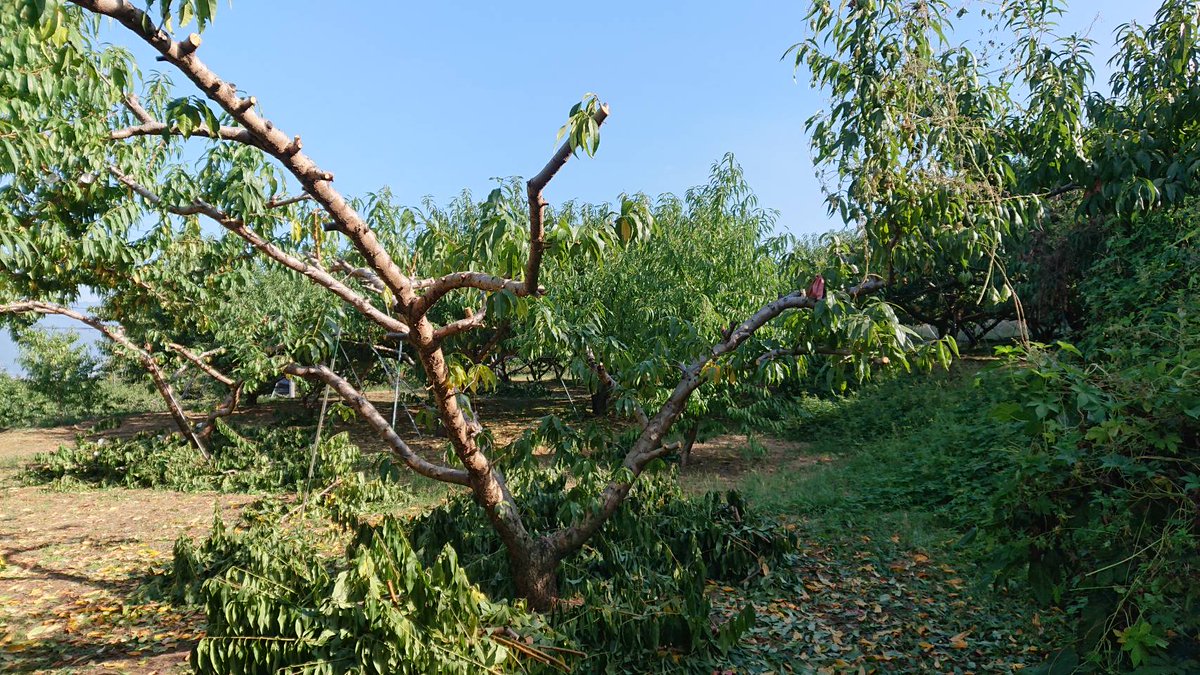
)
(71, 564)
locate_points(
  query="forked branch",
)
(438, 287)
(117, 335)
(367, 411)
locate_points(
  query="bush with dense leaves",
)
(1102, 512)
(20, 406)
(274, 604)
(637, 590)
(64, 382)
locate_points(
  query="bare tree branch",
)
(364, 274)
(117, 335)
(368, 412)
(310, 270)
(649, 444)
(472, 320)
(438, 287)
(205, 428)
(537, 207)
(279, 202)
(139, 111)
(224, 133)
(200, 363)
(203, 356)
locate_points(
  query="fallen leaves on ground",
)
(867, 607)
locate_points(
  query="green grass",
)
(919, 451)
(886, 580)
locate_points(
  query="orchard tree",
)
(93, 156)
(950, 156)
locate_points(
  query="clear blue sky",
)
(431, 98)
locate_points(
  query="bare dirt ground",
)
(722, 463)
(72, 563)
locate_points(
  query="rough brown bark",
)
(227, 407)
(489, 489)
(689, 440)
(535, 575)
(600, 399)
(533, 561)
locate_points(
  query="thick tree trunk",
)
(535, 575)
(685, 452)
(600, 399)
(531, 563)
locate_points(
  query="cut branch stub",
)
(537, 207)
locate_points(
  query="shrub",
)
(60, 369)
(20, 406)
(1101, 512)
(636, 592)
(632, 601)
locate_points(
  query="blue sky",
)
(430, 98)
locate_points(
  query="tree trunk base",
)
(535, 578)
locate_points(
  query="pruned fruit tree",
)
(217, 243)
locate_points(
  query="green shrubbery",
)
(273, 603)
(64, 382)
(633, 600)
(20, 405)
(637, 588)
(1073, 472)
(253, 459)
(1103, 511)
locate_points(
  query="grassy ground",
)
(878, 585)
(887, 581)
